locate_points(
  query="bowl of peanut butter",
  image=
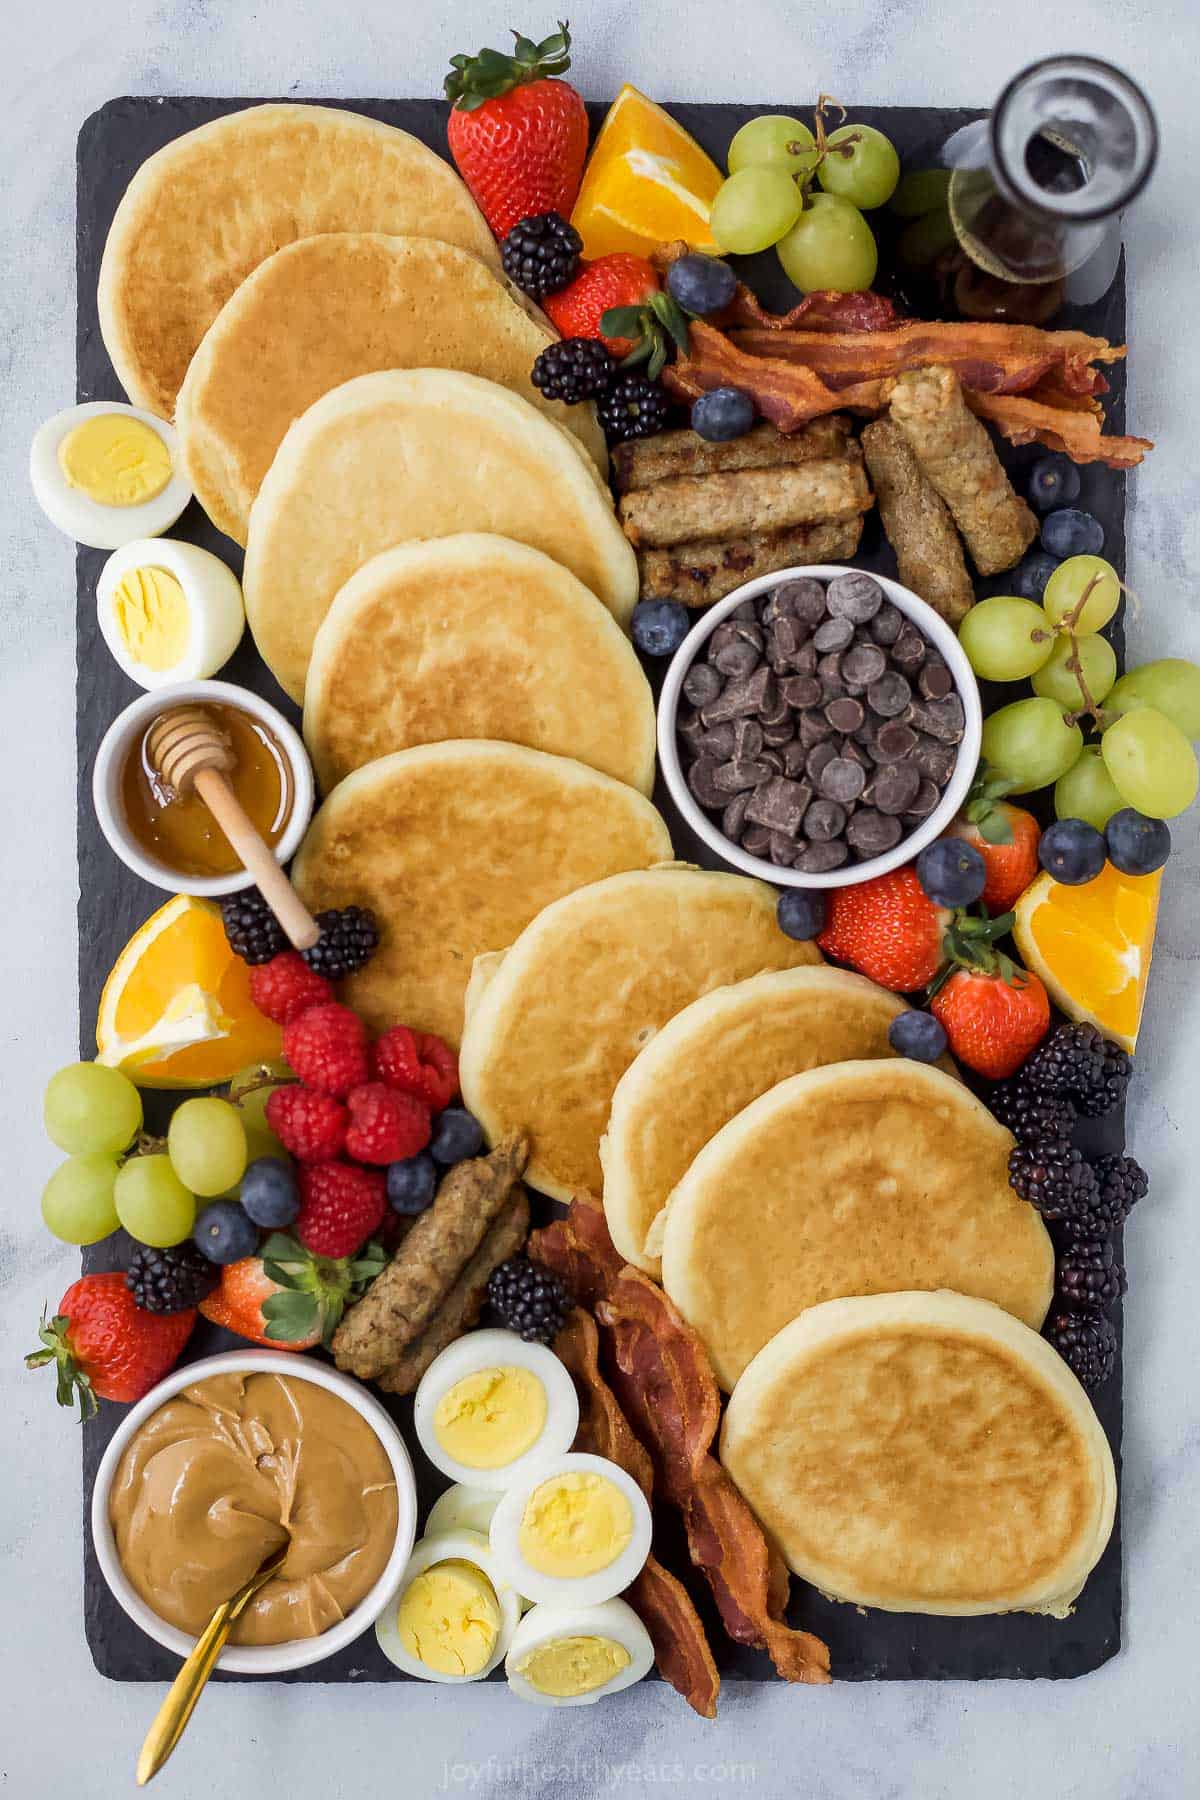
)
(226, 1461)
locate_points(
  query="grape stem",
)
(823, 147)
(1090, 708)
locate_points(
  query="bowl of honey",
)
(171, 839)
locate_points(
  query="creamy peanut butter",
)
(229, 1469)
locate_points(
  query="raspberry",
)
(340, 1206)
(416, 1062)
(385, 1126)
(311, 1125)
(327, 1047)
(285, 987)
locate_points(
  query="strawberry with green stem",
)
(104, 1346)
(994, 1012)
(287, 1298)
(1005, 835)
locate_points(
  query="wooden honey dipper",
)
(190, 751)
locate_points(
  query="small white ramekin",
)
(929, 624)
(259, 1659)
(129, 725)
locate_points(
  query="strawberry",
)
(312, 1126)
(416, 1062)
(887, 928)
(1005, 835)
(327, 1047)
(386, 1126)
(993, 1018)
(518, 137)
(104, 1346)
(623, 283)
(340, 1206)
(287, 1298)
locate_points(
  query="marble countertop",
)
(1131, 1729)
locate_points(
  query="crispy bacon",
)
(785, 392)
(816, 312)
(995, 359)
(1069, 430)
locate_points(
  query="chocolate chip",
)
(742, 697)
(744, 610)
(787, 635)
(910, 649)
(821, 858)
(776, 712)
(700, 780)
(772, 760)
(856, 753)
(702, 684)
(887, 624)
(782, 849)
(819, 758)
(942, 719)
(734, 816)
(724, 635)
(825, 819)
(829, 666)
(779, 735)
(927, 797)
(731, 777)
(738, 658)
(896, 786)
(935, 761)
(814, 728)
(842, 780)
(794, 757)
(855, 597)
(717, 743)
(833, 634)
(780, 805)
(803, 598)
(800, 691)
(690, 727)
(862, 665)
(805, 660)
(870, 833)
(756, 840)
(935, 681)
(750, 632)
(845, 714)
(893, 741)
(747, 738)
(888, 696)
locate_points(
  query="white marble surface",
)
(1132, 1729)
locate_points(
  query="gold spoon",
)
(188, 1685)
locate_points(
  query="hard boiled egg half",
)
(574, 1530)
(453, 1616)
(575, 1655)
(468, 1507)
(491, 1406)
(106, 473)
(169, 611)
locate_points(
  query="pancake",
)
(475, 636)
(206, 209)
(456, 847)
(709, 1062)
(553, 1024)
(923, 1453)
(417, 453)
(858, 1178)
(325, 309)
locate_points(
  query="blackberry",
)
(541, 254)
(349, 938)
(1089, 1274)
(1087, 1343)
(170, 1281)
(1031, 1116)
(577, 369)
(633, 407)
(530, 1300)
(1080, 1061)
(254, 932)
(1054, 1178)
(1123, 1182)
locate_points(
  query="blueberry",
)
(1069, 532)
(224, 1233)
(658, 627)
(268, 1193)
(722, 414)
(457, 1135)
(1030, 576)
(1071, 851)
(918, 1035)
(1053, 481)
(701, 284)
(952, 872)
(800, 914)
(1136, 845)
(411, 1184)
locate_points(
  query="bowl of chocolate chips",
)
(819, 726)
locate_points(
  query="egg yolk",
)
(115, 460)
(150, 610)
(574, 1524)
(489, 1418)
(449, 1618)
(568, 1666)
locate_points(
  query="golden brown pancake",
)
(923, 1452)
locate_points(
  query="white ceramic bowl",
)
(129, 725)
(259, 1659)
(929, 624)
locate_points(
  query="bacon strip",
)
(995, 359)
(816, 312)
(1074, 433)
(659, 1599)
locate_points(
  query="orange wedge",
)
(1092, 946)
(647, 183)
(176, 1010)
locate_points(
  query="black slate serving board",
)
(864, 1646)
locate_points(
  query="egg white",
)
(559, 1590)
(494, 1350)
(86, 520)
(448, 1546)
(613, 1619)
(468, 1508)
(213, 593)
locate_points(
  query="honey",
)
(177, 829)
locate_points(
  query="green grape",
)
(260, 1139)
(769, 141)
(1086, 791)
(1098, 662)
(867, 174)
(1068, 584)
(77, 1201)
(1151, 763)
(754, 209)
(1172, 686)
(1005, 638)
(921, 191)
(829, 246)
(152, 1203)
(88, 1107)
(207, 1146)
(1031, 743)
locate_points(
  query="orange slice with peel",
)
(647, 182)
(1092, 946)
(176, 1010)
